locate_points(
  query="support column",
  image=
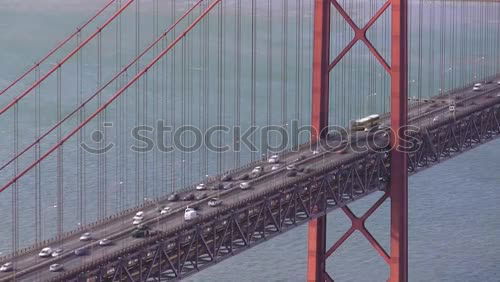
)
(399, 161)
(316, 247)
(321, 74)
(319, 121)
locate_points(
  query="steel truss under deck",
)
(222, 234)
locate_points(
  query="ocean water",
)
(454, 211)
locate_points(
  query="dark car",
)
(308, 170)
(291, 173)
(173, 198)
(218, 186)
(201, 196)
(83, 251)
(226, 177)
(188, 197)
(300, 158)
(140, 231)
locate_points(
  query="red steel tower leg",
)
(398, 71)
(319, 121)
(399, 164)
(321, 73)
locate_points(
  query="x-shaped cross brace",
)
(358, 223)
(360, 34)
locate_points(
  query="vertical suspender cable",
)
(145, 170)
(15, 190)
(206, 82)
(100, 129)
(431, 62)
(190, 101)
(120, 164)
(200, 95)
(156, 101)
(253, 98)
(219, 87)
(38, 208)
(420, 40)
(298, 58)
(453, 57)
(164, 111)
(136, 154)
(237, 105)
(224, 74)
(183, 108)
(205, 91)
(269, 65)
(172, 103)
(442, 47)
(60, 212)
(79, 149)
(104, 161)
(284, 69)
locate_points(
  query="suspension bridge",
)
(241, 113)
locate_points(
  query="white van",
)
(190, 214)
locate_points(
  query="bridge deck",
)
(274, 204)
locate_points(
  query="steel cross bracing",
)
(221, 234)
(398, 71)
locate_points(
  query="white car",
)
(105, 242)
(190, 214)
(498, 82)
(137, 221)
(291, 167)
(86, 236)
(201, 186)
(245, 185)
(275, 167)
(6, 267)
(55, 267)
(214, 202)
(45, 252)
(165, 210)
(139, 215)
(451, 108)
(477, 87)
(273, 159)
(315, 152)
(257, 169)
(57, 252)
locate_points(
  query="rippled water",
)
(454, 211)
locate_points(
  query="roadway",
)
(30, 267)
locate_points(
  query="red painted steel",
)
(320, 80)
(398, 258)
(316, 247)
(399, 159)
(58, 46)
(319, 122)
(360, 34)
(123, 70)
(114, 97)
(65, 59)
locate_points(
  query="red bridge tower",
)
(398, 192)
